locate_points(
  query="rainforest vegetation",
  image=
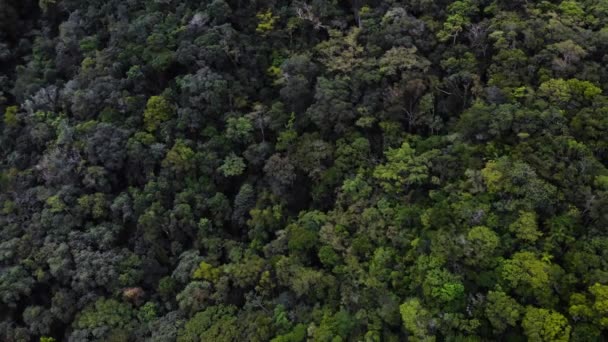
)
(288, 171)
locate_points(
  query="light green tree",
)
(417, 320)
(482, 241)
(398, 59)
(239, 129)
(158, 110)
(525, 227)
(502, 311)
(459, 13)
(542, 325)
(10, 116)
(403, 168)
(180, 157)
(592, 308)
(528, 276)
(266, 21)
(233, 165)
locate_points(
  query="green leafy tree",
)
(10, 116)
(545, 325)
(106, 314)
(233, 165)
(180, 157)
(158, 110)
(417, 320)
(239, 129)
(403, 169)
(483, 243)
(459, 14)
(398, 59)
(592, 308)
(502, 311)
(266, 21)
(528, 275)
(525, 227)
(208, 324)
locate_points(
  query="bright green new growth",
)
(207, 272)
(403, 169)
(542, 325)
(266, 21)
(158, 110)
(10, 116)
(526, 227)
(180, 157)
(416, 320)
(233, 165)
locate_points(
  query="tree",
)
(209, 324)
(233, 165)
(417, 320)
(311, 155)
(572, 11)
(443, 288)
(10, 116)
(205, 91)
(502, 310)
(296, 79)
(106, 146)
(195, 296)
(166, 327)
(342, 52)
(243, 203)
(459, 13)
(180, 157)
(483, 243)
(239, 129)
(568, 53)
(266, 21)
(106, 318)
(528, 276)
(403, 169)
(399, 59)
(570, 91)
(303, 235)
(545, 325)
(600, 305)
(525, 227)
(520, 180)
(592, 308)
(158, 110)
(280, 173)
(38, 319)
(332, 110)
(338, 325)
(14, 283)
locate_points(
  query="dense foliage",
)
(322, 170)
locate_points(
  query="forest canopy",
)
(314, 170)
